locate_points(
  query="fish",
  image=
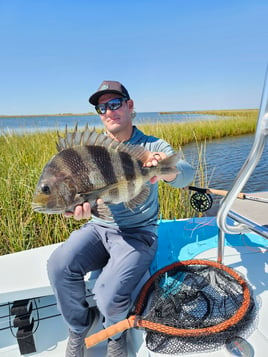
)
(89, 166)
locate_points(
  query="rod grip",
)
(224, 193)
(214, 191)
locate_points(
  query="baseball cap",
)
(108, 87)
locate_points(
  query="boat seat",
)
(25, 274)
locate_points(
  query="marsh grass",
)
(179, 134)
(24, 156)
(21, 162)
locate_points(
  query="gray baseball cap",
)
(108, 87)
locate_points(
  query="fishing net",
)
(189, 306)
(201, 304)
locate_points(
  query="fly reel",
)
(201, 201)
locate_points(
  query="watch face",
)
(201, 202)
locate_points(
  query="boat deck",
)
(26, 278)
(253, 213)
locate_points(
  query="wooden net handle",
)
(110, 331)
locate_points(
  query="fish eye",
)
(45, 189)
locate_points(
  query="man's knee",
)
(109, 301)
(55, 266)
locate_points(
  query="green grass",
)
(24, 156)
(179, 134)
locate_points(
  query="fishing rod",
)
(202, 200)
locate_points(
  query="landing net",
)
(199, 304)
(190, 306)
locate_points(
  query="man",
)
(122, 249)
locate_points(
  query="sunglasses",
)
(113, 104)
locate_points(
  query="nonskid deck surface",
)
(255, 211)
(180, 240)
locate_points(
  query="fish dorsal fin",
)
(89, 137)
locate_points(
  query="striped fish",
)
(89, 166)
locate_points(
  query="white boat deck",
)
(26, 277)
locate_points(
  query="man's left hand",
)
(152, 160)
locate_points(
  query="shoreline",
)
(212, 111)
(47, 115)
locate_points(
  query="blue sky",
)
(170, 54)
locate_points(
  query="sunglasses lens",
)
(113, 104)
(101, 108)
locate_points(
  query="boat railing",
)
(242, 224)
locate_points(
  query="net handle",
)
(110, 331)
(136, 320)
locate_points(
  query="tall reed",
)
(24, 156)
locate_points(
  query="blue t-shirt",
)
(146, 214)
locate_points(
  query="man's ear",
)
(130, 104)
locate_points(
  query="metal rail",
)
(244, 174)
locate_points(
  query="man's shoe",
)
(76, 344)
(118, 347)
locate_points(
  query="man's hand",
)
(82, 211)
(152, 160)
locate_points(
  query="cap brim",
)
(94, 99)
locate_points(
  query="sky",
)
(171, 55)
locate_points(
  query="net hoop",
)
(139, 306)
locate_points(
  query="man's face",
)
(117, 120)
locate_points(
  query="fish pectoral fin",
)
(139, 199)
(91, 196)
(102, 211)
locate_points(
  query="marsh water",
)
(46, 122)
(223, 159)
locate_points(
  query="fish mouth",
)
(41, 209)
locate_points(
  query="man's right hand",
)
(80, 212)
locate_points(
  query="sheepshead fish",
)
(89, 166)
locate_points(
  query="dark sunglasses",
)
(113, 104)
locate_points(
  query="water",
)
(20, 125)
(224, 157)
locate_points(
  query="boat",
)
(30, 324)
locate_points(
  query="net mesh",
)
(200, 305)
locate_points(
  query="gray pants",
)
(123, 256)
